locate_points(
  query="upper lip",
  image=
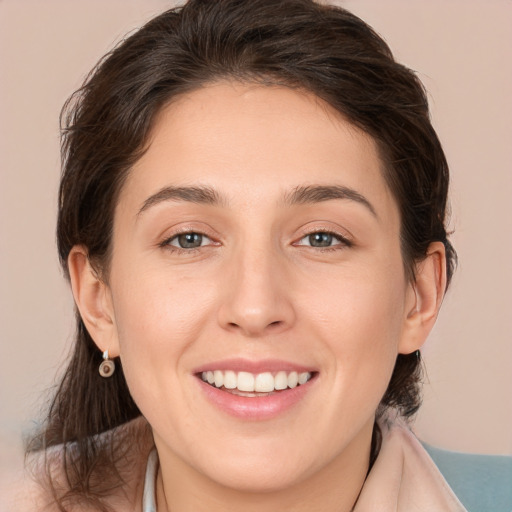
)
(253, 366)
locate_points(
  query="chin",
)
(258, 478)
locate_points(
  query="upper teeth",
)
(261, 382)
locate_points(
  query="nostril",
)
(252, 330)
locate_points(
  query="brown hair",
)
(106, 125)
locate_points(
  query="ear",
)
(424, 298)
(94, 301)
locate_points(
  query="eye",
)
(189, 240)
(323, 239)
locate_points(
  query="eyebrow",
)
(194, 194)
(319, 193)
(299, 195)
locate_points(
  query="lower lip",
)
(263, 407)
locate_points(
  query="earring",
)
(107, 367)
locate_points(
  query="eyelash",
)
(167, 243)
(343, 242)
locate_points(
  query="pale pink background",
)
(462, 50)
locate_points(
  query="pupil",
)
(320, 239)
(190, 240)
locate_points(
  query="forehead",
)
(255, 142)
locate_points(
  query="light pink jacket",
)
(404, 478)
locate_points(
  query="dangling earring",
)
(107, 367)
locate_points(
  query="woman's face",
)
(257, 240)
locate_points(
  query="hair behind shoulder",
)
(91, 476)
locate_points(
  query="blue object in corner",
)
(483, 483)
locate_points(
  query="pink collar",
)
(404, 477)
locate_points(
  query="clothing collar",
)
(404, 478)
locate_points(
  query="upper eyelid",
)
(344, 237)
(176, 235)
(166, 242)
(343, 240)
(173, 232)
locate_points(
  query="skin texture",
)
(255, 289)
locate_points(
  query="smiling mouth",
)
(253, 385)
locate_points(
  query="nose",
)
(256, 294)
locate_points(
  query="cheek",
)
(364, 307)
(360, 318)
(157, 318)
(158, 306)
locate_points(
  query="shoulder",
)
(27, 487)
(19, 490)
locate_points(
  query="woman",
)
(251, 217)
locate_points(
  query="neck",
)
(333, 488)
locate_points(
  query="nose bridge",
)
(255, 299)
